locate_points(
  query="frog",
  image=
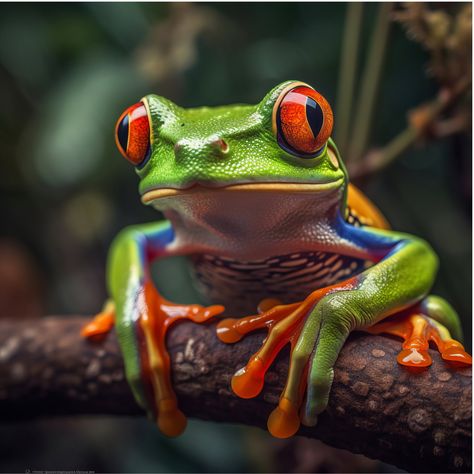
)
(258, 198)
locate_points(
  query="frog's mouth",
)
(152, 195)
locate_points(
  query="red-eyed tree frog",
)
(257, 196)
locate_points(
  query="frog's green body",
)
(260, 221)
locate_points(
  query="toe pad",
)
(284, 420)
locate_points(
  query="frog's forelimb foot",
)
(158, 315)
(285, 325)
(420, 325)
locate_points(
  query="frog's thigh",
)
(440, 310)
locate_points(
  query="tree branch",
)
(418, 421)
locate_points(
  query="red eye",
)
(304, 121)
(132, 134)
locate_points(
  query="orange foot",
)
(417, 330)
(156, 315)
(285, 324)
(281, 323)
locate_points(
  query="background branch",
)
(423, 123)
(420, 422)
(446, 35)
(363, 116)
(348, 73)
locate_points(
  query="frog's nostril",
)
(215, 148)
(220, 145)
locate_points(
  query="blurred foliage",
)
(445, 35)
(67, 71)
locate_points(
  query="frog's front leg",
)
(142, 317)
(402, 274)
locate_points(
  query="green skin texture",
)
(399, 279)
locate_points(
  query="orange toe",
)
(457, 354)
(414, 358)
(284, 421)
(248, 381)
(171, 420)
(100, 325)
(200, 314)
(227, 332)
(267, 304)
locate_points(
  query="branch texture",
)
(420, 422)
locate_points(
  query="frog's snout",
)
(216, 147)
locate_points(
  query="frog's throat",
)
(262, 220)
(149, 196)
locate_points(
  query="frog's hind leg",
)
(413, 328)
(418, 326)
(102, 322)
(440, 310)
(448, 332)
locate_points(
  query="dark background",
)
(67, 71)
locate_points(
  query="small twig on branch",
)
(418, 421)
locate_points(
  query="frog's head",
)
(281, 145)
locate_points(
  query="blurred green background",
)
(67, 71)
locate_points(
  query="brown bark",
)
(418, 421)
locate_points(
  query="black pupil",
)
(315, 116)
(122, 133)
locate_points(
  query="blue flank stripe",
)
(162, 238)
(369, 239)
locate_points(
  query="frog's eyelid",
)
(280, 97)
(144, 101)
(132, 134)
